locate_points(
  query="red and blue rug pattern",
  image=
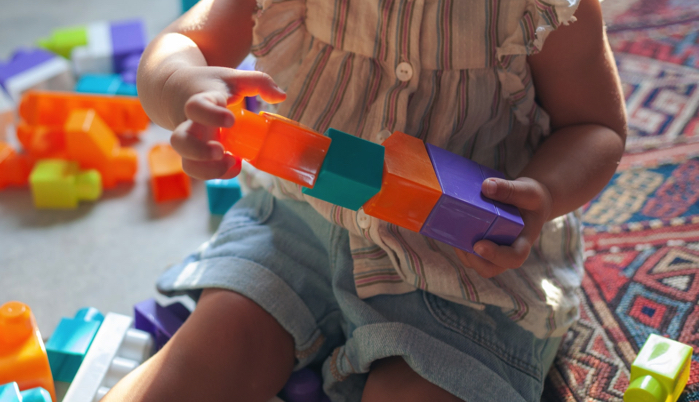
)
(642, 230)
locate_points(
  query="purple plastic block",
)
(462, 216)
(23, 60)
(179, 310)
(303, 386)
(128, 39)
(509, 222)
(157, 320)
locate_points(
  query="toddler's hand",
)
(212, 89)
(534, 202)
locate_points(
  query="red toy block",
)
(42, 142)
(276, 145)
(23, 357)
(14, 167)
(93, 144)
(123, 114)
(168, 180)
(410, 188)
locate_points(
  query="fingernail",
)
(228, 120)
(216, 153)
(479, 250)
(491, 187)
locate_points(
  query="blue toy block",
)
(222, 194)
(10, 393)
(107, 84)
(161, 322)
(351, 173)
(70, 342)
(187, 4)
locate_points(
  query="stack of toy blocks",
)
(160, 322)
(70, 341)
(11, 393)
(423, 188)
(23, 358)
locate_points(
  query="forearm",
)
(213, 33)
(574, 164)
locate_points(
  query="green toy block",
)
(351, 173)
(59, 184)
(660, 371)
(62, 41)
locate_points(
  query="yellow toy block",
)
(59, 184)
(660, 371)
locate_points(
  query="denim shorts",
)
(297, 266)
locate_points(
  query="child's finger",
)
(209, 109)
(484, 268)
(251, 83)
(207, 170)
(523, 193)
(508, 257)
(196, 142)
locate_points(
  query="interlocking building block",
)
(463, 215)
(63, 40)
(116, 350)
(123, 114)
(35, 69)
(304, 385)
(410, 188)
(60, 184)
(93, 144)
(70, 341)
(22, 355)
(160, 322)
(222, 194)
(14, 167)
(42, 142)
(107, 84)
(7, 114)
(110, 48)
(660, 371)
(187, 4)
(351, 173)
(168, 180)
(276, 145)
(128, 40)
(508, 224)
(10, 393)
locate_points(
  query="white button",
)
(382, 136)
(404, 71)
(363, 220)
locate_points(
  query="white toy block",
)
(7, 114)
(116, 350)
(96, 57)
(54, 74)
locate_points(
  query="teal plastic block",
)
(70, 342)
(187, 4)
(10, 393)
(351, 172)
(222, 194)
(106, 84)
(37, 394)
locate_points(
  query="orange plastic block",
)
(123, 114)
(168, 180)
(23, 357)
(276, 145)
(42, 142)
(93, 144)
(14, 167)
(410, 188)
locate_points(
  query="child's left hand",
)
(534, 202)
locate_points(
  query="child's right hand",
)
(208, 90)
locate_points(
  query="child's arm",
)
(577, 84)
(187, 77)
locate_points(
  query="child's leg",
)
(391, 379)
(228, 349)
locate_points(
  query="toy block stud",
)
(123, 114)
(222, 194)
(410, 188)
(62, 41)
(7, 114)
(60, 184)
(14, 167)
(92, 143)
(35, 68)
(42, 142)
(660, 371)
(160, 322)
(276, 145)
(22, 355)
(168, 180)
(70, 342)
(463, 215)
(304, 385)
(351, 173)
(116, 350)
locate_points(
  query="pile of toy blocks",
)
(91, 352)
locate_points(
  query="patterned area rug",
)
(642, 231)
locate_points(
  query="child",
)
(289, 280)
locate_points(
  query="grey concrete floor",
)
(106, 254)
